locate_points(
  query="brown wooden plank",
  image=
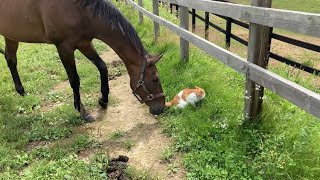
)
(206, 24)
(140, 14)
(184, 23)
(258, 48)
(193, 20)
(228, 32)
(300, 22)
(156, 27)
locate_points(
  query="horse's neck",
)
(124, 49)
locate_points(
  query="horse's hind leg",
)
(88, 50)
(66, 54)
(11, 57)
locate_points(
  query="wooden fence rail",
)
(302, 97)
(229, 35)
(302, 44)
(299, 22)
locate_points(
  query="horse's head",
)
(148, 88)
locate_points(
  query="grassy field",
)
(24, 125)
(212, 137)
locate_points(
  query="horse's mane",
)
(105, 10)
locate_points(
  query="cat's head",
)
(200, 92)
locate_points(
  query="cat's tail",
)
(168, 104)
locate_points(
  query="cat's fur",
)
(187, 96)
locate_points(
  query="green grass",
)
(215, 142)
(133, 173)
(117, 134)
(167, 155)
(22, 120)
(129, 144)
(211, 137)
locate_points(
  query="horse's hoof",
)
(88, 118)
(103, 104)
(21, 91)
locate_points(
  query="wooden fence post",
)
(177, 10)
(140, 14)
(228, 32)
(269, 44)
(167, 5)
(193, 20)
(156, 28)
(206, 30)
(184, 23)
(257, 54)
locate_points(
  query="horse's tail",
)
(168, 104)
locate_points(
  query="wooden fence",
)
(261, 19)
(229, 36)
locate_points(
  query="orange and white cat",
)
(187, 96)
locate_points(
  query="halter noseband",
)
(140, 83)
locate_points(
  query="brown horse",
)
(71, 25)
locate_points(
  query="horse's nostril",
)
(157, 111)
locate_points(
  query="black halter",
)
(140, 83)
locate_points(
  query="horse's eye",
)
(155, 79)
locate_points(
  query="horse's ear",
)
(153, 59)
(159, 56)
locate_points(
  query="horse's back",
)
(34, 21)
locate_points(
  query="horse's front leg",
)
(66, 54)
(11, 57)
(89, 51)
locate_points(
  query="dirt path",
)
(140, 135)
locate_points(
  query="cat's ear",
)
(153, 59)
(197, 87)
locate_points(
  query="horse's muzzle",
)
(156, 111)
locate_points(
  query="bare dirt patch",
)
(116, 63)
(110, 57)
(142, 140)
(61, 86)
(114, 76)
(37, 144)
(47, 107)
